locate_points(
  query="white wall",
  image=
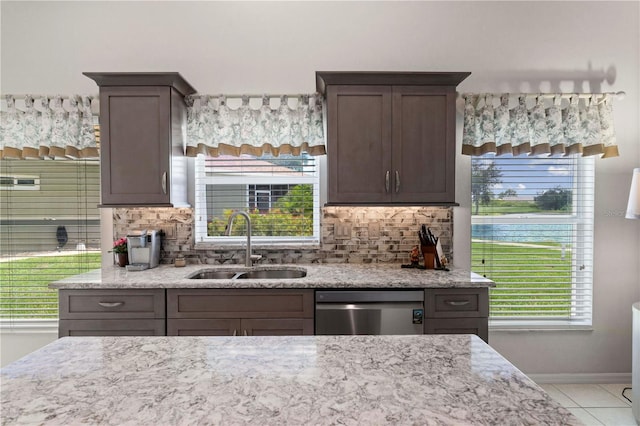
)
(233, 48)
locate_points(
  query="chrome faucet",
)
(249, 257)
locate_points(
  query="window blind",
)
(281, 195)
(49, 230)
(532, 233)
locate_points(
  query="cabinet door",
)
(135, 124)
(477, 326)
(112, 327)
(277, 327)
(359, 144)
(203, 327)
(423, 156)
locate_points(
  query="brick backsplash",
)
(348, 235)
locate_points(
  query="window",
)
(20, 182)
(281, 195)
(45, 235)
(263, 197)
(532, 233)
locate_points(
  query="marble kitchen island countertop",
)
(318, 276)
(277, 380)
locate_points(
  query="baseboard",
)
(582, 378)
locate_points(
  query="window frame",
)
(200, 208)
(582, 217)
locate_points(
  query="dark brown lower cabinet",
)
(278, 327)
(244, 327)
(112, 312)
(112, 327)
(477, 326)
(241, 312)
(457, 311)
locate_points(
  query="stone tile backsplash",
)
(348, 235)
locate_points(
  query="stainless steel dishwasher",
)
(369, 311)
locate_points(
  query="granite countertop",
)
(318, 276)
(277, 380)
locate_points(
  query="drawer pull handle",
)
(110, 304)
(235, 332)
(245, 333)
(456, 302)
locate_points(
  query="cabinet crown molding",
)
(171, 79)
(325, 78)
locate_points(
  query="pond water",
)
(530, 233)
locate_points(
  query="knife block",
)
(429, 254)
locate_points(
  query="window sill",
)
(28, 326)
(532, 325)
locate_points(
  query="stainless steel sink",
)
(258, 274)
(213, 275)
(273, 273)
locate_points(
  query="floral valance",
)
(536, 124)
(46, 127)
(265, 124)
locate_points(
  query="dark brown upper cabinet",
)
(142, 138)
(390, 137)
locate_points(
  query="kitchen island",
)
(275, 380)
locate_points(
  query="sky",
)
(530, 176)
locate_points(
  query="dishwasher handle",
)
(368, 296)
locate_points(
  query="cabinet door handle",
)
(397, 181)
(164, 183)
(456, 302)
(386, 181)
(110, 304)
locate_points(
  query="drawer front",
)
(456, 303)
(478, 326)
(245, 303)
(112, 304)
(131, 327)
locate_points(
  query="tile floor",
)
(594, 404)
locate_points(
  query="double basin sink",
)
(256, 274)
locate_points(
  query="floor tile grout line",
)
(591, 415)
(565, 394)
(617, 395)
(589, 384)
(603, 421)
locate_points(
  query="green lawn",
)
(538, 272)
(23, 283)
(500, 207)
